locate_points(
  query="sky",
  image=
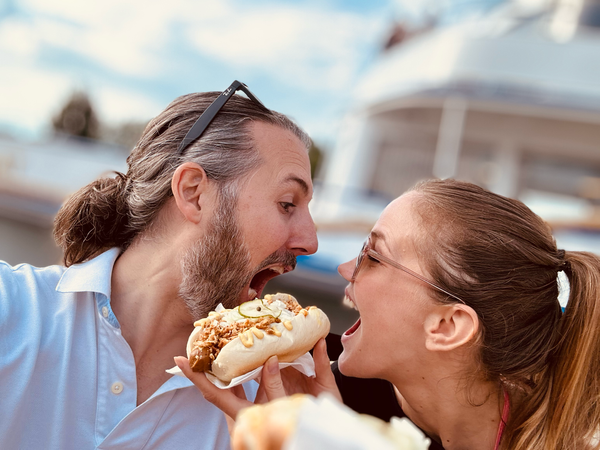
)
(133, 57)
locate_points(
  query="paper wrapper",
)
(324, 423)
(305, 364)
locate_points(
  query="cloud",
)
(17, 40)
(124, 37)
(30, 97)
(124, 53)
(116, 105)
(310, 46)
(304, 46)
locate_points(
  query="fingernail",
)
(273, 364)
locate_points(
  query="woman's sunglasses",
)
(367, 250)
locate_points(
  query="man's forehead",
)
(292, 179)
(284, 155)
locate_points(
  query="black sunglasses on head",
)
(209, 113)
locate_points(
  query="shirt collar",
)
(91, 276)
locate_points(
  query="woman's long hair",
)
(502, 260)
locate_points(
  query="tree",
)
(315, 155)
(77, 117)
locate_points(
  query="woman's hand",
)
(274, 383)
(294, 382)
(230, 401)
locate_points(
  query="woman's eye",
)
(375, 260)
(286, 206)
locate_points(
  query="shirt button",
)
(105, 311)
(117, 388)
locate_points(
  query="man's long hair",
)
(112, 212)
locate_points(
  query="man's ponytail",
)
(93, 220)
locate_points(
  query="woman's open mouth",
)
(353, 328)
(349, 302)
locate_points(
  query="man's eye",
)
(375, 260)
(286, 206)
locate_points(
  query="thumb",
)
(324, 375)
(271, 385)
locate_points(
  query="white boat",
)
(510, 101)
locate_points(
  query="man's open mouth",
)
(260, 279)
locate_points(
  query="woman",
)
(458, 298)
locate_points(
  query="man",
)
(210, 209)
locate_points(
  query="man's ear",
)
(190, 186)
(450, 326)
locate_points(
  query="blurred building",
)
(509, 100)
(35, 179)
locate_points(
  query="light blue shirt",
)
(67, 375)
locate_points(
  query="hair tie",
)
(563, 264)
(562, 278)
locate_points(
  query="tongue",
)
(353, 328)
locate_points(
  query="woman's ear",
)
(190, 185)
(450, 326)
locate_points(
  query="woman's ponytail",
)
(93, 220)
(574, 413)
(562, 412)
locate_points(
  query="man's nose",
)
(304, 240)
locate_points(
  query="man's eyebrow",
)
(294, 179)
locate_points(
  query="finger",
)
(294, 381)
(239, 391)
(224, 399)
(271, 386)
(324, 376)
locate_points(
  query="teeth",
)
(252, 294)
(349, 303)
(277, 269)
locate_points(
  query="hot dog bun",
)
(289, 338)
(304, 422)
(267, 426)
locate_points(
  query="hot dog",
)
(235, 341)
(301, 421)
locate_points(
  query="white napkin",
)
(304, 364)
(324, 423)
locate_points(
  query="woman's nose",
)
(347, 269)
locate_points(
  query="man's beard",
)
(217, 267)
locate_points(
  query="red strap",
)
(504, 419)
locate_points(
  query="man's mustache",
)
(282, 257)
